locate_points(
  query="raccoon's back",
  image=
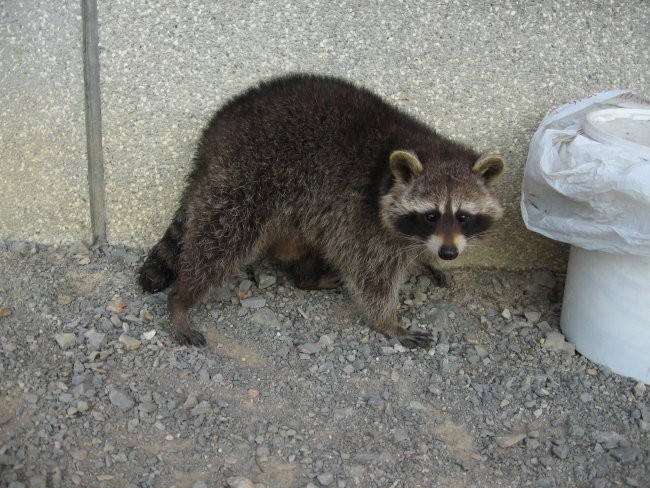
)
(303, 123)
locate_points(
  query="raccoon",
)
(332, 180)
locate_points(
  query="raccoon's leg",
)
(211, 252)
(427, 263)
(161, 266)
(438, 275)
(379, 298)
(312, 272)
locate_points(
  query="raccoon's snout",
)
(448, 252)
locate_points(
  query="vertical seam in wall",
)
(93, 111)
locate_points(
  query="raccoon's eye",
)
(463, 217)
(432, 217)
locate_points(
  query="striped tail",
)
(161, 266)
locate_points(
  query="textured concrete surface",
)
(43, 187)
(484, 74)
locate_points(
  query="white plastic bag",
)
(589, 194)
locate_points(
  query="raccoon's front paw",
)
(438, 276)
(190, 337)
(413, 339)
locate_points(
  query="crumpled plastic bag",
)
(583, 192)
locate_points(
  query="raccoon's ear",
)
(405, 165)
(489, 167)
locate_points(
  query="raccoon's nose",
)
(448, 252)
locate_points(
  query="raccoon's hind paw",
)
(190, 337)
(413, 339)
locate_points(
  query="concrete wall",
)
(483, 74)
(43, 188)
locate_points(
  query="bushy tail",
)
(161, 266)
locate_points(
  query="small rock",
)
(121, 400)
(245, 285)
(222, 294)
(5, 311)
(561, 451)
(200, 484)
(532, 317)
(610, 440)
(265, 317)
(438, 318)
(264, 280)
(481, 351)
(64, 299)
(37, 482)
(506, 314)
(423, 283)
(118, 306)
(253, 302)
(145, 315)
(639, 389)
(95, 340)
(556, 342)
(149, 335)
(65, 340)
(191, 402)
(309, 348)
(31, 398)
(239, 482)
(130, 343)
(509, 440)
(202, 408)
(325, 479)
(19, 247)
(326, 340)
(586, 397)
(626, 454)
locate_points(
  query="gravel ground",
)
(294, 390)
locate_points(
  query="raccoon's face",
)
(441, 205)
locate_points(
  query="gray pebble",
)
(509, 440)
(265, 317)
(438, 318)
(202, 408)
(130, 343)
(310, 348)
(121, 400)
(31, 398)
(610, 440)
(66, 340)
(556, 342)
(239, 482)
(325, 479)
(561, 451)
(532, 317)
(37, 482)
(253, 302)
(265, 280)
(626, 454)
(95, 340)
(245, 285)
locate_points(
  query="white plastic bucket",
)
(606, 310)
(622, 127)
